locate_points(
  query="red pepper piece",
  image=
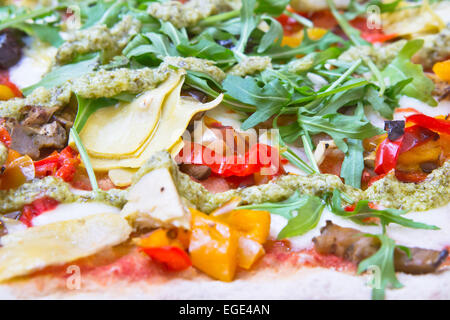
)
(387, 155)
(36, 208)
(437, 125)
(63, 165)
(5, 137)
(260, 156)
(388, 151)
(175, 258)
(380, 37)
(47, 166)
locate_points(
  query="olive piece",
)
(10, 48)
(395, 129)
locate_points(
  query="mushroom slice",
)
(352, 245)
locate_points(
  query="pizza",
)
(206, 149)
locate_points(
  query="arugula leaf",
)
(283, 208)
(401, 68)
(302, 211)
(100, 12)
(273, 36)
(160, 45)
(206, 49)
(353, 164)
(382, 264)
(86, 107)
(48, 33)
(340, 127)
(343, 98)
(307, 218)
(175, 35)
(272, 7)
(268, 100)
(363, 210)
(284, 53)
(353, 33)
(60, 75)
(248, 23)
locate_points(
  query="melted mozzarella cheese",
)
(428, 239)
(36, 61)
(70, 211)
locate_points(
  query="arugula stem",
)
(84, 156)
(346, 198)
(218, 18)
(308, 150)
(29, 15)
(300, 19)
(376, 72)
(328, 93)
(352, 33)
(355, 38)
(111, 9)
(344, 75)
(293, 158)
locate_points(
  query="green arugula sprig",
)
(382, 266)
(363, 211)
(303, 213)
(87, 107)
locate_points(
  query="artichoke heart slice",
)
(26, 251)
(176, 114)
(121, 129)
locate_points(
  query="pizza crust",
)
(282, 284)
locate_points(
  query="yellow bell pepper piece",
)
(6, 93)
(427, 152)
(213, 246)
(442, 70)
(252, 224)
(253, 227)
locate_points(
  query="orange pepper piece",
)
(253, 227)
(442, 70)
(252, 224)
(213, 246)
(6, 93)
(18, 170)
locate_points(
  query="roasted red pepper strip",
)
(373, 37)
(47, 166)
(175, 258)
(5, 137)
(260, 156)
(63, 165)
(437, 125)
(387, 155)
(36, 208)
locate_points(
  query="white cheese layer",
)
(427, 239)
(70, 211)
(36, 61)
